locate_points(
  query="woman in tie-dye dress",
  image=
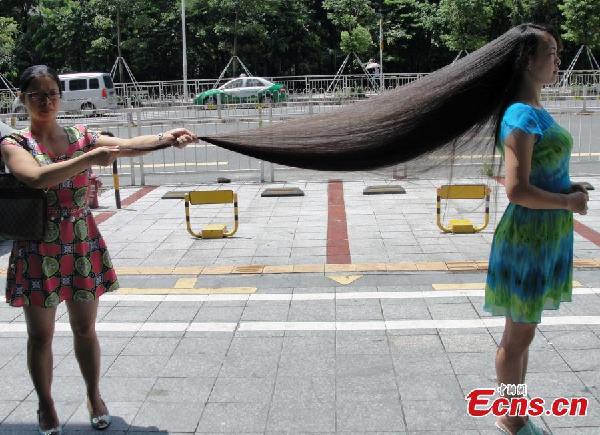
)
(530, 266)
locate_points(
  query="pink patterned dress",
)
(72, 262)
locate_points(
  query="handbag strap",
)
(20, 140)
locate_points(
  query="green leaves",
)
(582, 22)
(272, 37)
(465, 23)
(8, 37)
(357, 40)
(352, 17)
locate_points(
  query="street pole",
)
(235, 43)
(381, 83)
(119, 46)
(120, 58)
(183, 40)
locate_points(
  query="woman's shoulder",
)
(518, 109)
(18, 138)
(520, 114)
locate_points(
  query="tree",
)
(582, 22)
(348, 14)
(535, 11)
(295, 39)
(274, 37)
(402, 20)
(8, 37)
(352, 18)
(358, 40)
(465, 23)
(237, 27)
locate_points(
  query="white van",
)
(5, 129)
(82, 91)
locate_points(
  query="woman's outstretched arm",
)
(140, 145)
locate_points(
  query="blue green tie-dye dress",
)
(531, 261)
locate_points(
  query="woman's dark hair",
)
(35, 72)
(449, 108)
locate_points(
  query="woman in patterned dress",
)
(71, 263)
(530, 267)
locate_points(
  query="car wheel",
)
(89, 106)
(22, 114)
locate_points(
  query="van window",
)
(108, 81)
(62, 85)
(78, 85)
(94, 84)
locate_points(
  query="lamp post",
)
(381, 79)
(183, 40)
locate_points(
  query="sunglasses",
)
(40, 97)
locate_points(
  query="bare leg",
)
(525, 363)
(40, 331)
(82, 316)
(511, 362)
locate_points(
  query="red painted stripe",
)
(137, 195)
(338, 248)
(585, 231)
(581, 229)
(102, 217)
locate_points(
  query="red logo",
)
(482, 402)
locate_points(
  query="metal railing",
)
(581, 116)
(580, 83)
(164, 93)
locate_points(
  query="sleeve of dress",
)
(9, 140)
(522, 117)
(12, 142)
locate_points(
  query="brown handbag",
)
(22, 208)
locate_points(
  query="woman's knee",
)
(518, 339)
(40, 325)
(84, 329)
(82, 316)
(40, 338)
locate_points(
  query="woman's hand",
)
(577, 202)
(578, 187)
(104, 156)
(180, 137)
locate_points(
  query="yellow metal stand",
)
(214, 231)
(463, 191)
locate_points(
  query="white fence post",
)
(139, 132)
(130, 135)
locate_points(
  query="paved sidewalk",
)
(283, 231)
(264, 333)
(302, 354)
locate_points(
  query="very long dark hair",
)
(447, 109)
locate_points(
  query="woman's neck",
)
(43, 128)
(530, 93)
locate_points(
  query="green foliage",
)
(582, 22)
(348, 14)
(358, 40)
(465, 23)
(8, 35)
(272, 37)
